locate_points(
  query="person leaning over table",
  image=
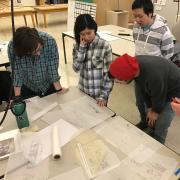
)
(34, 57)
(159, 81)
(92, 56)
(152, 37)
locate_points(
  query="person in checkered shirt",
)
(92, 56)
(34, 58)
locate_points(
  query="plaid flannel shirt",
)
(36, 72)
(93, 63)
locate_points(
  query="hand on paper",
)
(101, 102)
(151, 118)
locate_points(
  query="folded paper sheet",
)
(44, 111)
(142, 159)
(119, 133)
(75, 174)
(20, 168)
(83, 113)
(38, 146)
(107, 37)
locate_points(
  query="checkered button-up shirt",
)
(93, 63)
(37, 72)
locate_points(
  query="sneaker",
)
(141, 125)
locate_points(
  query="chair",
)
(5, 85)
(176, 33)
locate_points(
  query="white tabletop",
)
(121, 45)
(131, 153)
(3, 53)
(115, 30)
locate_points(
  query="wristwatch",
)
(58, 90)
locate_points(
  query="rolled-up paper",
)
(56, 149)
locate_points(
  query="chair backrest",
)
(5, 85)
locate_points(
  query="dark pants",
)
(28, 93)
(140, 103)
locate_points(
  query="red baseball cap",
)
(124, 67)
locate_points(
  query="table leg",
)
(45, 20)
(32, 17)
(25, 19)
(36, 19)
(64, 48)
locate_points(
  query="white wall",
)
(70, 21)
(169, 11)
(28, 2)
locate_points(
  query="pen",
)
(177, 171)
(124, 34)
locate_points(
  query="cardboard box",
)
(117, 17)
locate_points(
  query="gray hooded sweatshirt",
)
(155, 40)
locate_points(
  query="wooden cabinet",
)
(4, 3)
(40, 2)
(102, 7)
(126, 6)
(106, 5)
(119, 18)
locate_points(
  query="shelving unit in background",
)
(109, 5)
(117, 17)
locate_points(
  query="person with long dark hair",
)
(92, 56)
(159, 80)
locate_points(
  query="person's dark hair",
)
(147, 6)
(110, 75)
(25, 41)
(83, 21)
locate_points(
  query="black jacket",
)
(159, 81)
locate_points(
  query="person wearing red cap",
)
(152, 36)
(159, 81)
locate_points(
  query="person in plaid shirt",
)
(34, 58)
(92, 56)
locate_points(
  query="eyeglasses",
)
(138, 16)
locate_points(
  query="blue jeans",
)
(164, 120)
